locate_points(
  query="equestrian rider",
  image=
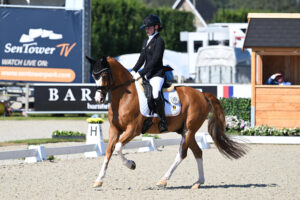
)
(152, 55)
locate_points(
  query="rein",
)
(123, 84)
(116, 87)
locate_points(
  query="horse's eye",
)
(97, 76)
(105, 78)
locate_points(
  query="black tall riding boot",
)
(160, 107)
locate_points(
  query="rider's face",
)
(279, 79)
(150, 30)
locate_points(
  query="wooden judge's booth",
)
(275, 43)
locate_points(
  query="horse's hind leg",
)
(198, 156)
(182, 153)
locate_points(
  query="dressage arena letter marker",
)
(202, 140)
(93, 130)
(95, 136)
(151, 146)
(40, 154)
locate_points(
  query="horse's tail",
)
(216, 128)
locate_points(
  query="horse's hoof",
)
(196, 186)
(161, 183)
(133, 165)
(97, 184)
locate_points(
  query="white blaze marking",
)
(97, 94)
(99, 82)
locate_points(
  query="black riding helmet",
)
(151, 20)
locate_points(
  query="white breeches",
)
(156, 83)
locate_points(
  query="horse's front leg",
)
(129, 134)
(114, 135)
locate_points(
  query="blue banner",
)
(40, 45)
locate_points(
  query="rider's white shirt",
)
(151, 36)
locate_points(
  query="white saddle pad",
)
(172, 109)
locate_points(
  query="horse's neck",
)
(120, 76)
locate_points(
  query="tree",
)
(260, 5)
(115, 26)
(230, 16)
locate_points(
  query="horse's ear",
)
(104, 61)
(91, 60)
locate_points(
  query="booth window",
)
(288, 65)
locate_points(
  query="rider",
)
(152, 55)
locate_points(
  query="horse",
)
(125, 118)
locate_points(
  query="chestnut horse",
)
(125, 117)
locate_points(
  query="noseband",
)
(105, 70)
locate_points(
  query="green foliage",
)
(234, 10)
(175, 22)
(158, 3)
(149, 135)
(38, 141)
(260, 5)
(270, 131)
(240, 127)
(240, 107)
(67, 133)
(19, 116)
(115, 26)
(50, 158)
(227, 16)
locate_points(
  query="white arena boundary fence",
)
(95, 146)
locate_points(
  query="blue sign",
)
(40, 45)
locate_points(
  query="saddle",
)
(167, 87)
(147, 107)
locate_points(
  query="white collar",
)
(151, 36)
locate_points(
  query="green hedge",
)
(240, 107)
(67, 133)
(115, 26)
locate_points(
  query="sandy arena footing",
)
(266, 172)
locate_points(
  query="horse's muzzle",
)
(102, 100)
(100, 97)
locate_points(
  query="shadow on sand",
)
(225, 186)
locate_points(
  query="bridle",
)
(110, 78)
(98, 74)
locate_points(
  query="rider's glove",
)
(132, 73)
(136, 75)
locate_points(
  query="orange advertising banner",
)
(37, 74)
